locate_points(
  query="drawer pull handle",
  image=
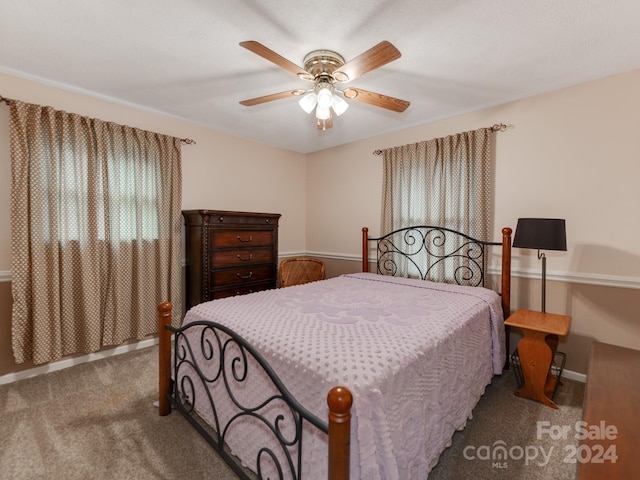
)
(245, 277)
(245, 239)
(245, 259)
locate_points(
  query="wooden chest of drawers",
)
(229, 253)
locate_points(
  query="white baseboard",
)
(70, 362)
(568, 374)
(571, 375)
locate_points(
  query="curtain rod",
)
(186, 141)
(496, 127)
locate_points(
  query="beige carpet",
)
(502, 419)
(97, 421)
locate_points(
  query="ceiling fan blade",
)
(376, 99)
(375, 57)
(269, 98)
(279, 60)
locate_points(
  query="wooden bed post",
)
(339, 400)
(365, 249)
(164, 358)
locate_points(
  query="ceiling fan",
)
(326, 69)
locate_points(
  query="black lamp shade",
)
(541, 234)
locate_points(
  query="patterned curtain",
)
(96, 245)
(445, 182)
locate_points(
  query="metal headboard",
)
(432, 253)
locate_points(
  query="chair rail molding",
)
(598, 279)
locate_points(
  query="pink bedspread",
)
(416, 355)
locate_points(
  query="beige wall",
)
(572, 153)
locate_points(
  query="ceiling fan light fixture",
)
(339, 105)
(325, 97)
(323, 113)
(308, 102)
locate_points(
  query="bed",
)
(366, 375)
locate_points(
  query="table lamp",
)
(541, 234)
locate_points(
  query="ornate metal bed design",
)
(231, 353)
(429, 251)
(280, 415)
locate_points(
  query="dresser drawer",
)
(241, 238)
(235, 276)
(240, 257)
(239, 290)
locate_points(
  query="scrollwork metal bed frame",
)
(229, 352)
(439, 245)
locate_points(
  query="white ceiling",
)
(182, 58)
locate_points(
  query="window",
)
(443, 182)
(95, 213)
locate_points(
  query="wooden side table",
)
(536, 354)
